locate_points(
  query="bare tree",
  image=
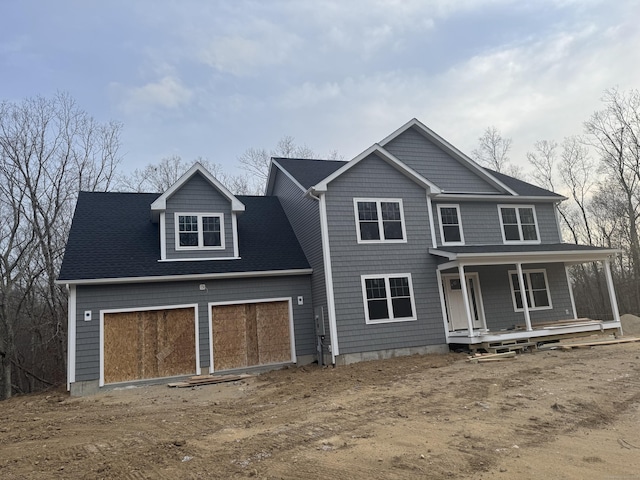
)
(158, 177)
(256, 161)
(614, 133)
(49, 149)
(493, 152)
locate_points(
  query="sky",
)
(207, 78)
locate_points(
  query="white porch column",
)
(465, 298)
(523, 295)
(612, 292)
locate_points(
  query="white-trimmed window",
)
(519, 224)
(388, 298)
(536, 288)
(199, 231)
(450, 225)
(379, 220)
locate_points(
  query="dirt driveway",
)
(553, 414)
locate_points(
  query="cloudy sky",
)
(213, 78)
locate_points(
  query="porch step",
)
(507, 345)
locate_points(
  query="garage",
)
(149, 344)
(251, 334)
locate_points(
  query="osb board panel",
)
(121, 352)
(229, 329)
(149, 344)
(274, 342)
(253, 356)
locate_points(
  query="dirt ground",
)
(546, 414)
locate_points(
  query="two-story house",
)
(408, 248)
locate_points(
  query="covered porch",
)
(517, 294)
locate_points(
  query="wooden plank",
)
(208, 380)
(569, 346)
(491, 357)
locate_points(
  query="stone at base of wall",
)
(80, 389)
(348, 358)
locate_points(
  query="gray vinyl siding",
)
(304, 217)
(107, 297)
(481, 222)
(374, 178)
(198, 196)
(498, 302)
(430, 161)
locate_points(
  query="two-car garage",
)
(163, 341)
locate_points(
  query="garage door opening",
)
(251, 334)
(149, 344)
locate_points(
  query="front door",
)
(456, 313)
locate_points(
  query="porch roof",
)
(509, 254)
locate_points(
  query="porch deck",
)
(539, 333)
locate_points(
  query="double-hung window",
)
(450, 225)
(536, 288)
(388, 298)
(519, 224)
(199, 231)
(379, 220)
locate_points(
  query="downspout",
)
(328, 274)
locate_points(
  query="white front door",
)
(456, 313)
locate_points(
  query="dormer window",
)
(199, 231)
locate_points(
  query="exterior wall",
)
(374, 178)
(481, 222)
(498, 304)
(436, 165)
(198, 196)
(101, 297)
(304, 217)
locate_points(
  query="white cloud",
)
(167, 93)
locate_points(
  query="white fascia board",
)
(498, 258)
(489, 197)
(161, 202)
(387, 157)
(180, 278)
(453, 151)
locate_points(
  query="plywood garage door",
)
(250, 334)
(149, 344)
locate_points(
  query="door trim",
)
(481, 323)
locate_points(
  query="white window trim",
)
(378, 202)
(386, 278)
(201, 245)
(519, 242)
(530, 299)
(442, 240)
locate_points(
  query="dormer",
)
(197, 217)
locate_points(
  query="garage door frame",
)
(244, 302)
(146, 309)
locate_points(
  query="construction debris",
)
(208, 380)
(491, 357)
(569, 346)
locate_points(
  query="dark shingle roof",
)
(309, 172)
(522, 188)
(112, 236)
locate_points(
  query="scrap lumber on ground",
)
(208, 380)
(491, 357)
(569, 346)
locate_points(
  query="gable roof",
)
(451, 150)
(308, 172)
(112, 237)
(161, 202)
(387, 157)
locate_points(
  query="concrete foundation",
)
(349, 358)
